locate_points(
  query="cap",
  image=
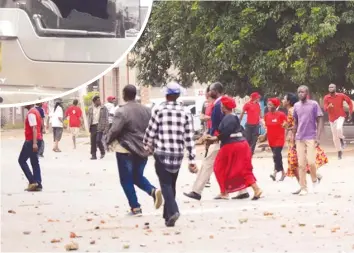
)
(173, 88)
(111, 98)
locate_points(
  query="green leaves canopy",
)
(269, 46)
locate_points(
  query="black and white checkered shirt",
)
(170, 130)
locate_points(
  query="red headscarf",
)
(228, 102)
(255, 95)
(275, 102)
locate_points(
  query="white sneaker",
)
(303, 193)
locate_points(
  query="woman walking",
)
(57, 124)
(274, 121)
(233, 165)
(293, 167)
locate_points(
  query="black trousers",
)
(168, 188)
(277, 158)
(252, 133)
(96, 141)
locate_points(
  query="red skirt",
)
(233, 167)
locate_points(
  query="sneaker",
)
(340, 153)
(193, 195)
(102, 156)
(93, 158)
(207, 185)
(303, 192)
(297, 192)
(342, 143)
(172, 220)
(157, 196)
(136, 212)
(33, 187)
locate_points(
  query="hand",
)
(317, 142)
(148, 149)
(330, 105)
(35, 147)
(349, 118)
(193, 168)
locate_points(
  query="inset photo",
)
(48, 47)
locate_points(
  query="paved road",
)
(85, 197)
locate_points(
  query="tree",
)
(268, 46)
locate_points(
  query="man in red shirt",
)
(33, 142)
(274, 121)
(74, 114)
(253, 110)
(333, 104)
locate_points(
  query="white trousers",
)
(337, 132)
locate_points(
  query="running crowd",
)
(134, 133)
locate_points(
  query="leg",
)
(301, 154)
(206, 169)
(311, 159)
(248, 133)
(138, 175)
(55, 147)
(93, 134)
(125, 169)
(41, 149)
(255, 134)
(100, 144)
(35, 166)
(336, 139)
(168, 188)
(59, 136)
(22, 160)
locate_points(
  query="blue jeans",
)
(131, 172)
(27, 153)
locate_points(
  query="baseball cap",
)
(173, 88)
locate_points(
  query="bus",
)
(51, 46)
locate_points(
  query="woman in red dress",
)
(274, 121)
(233, 166)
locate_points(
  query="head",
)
(216, 90)
(332, 88)
(111, 99)
(227, 104)
(75, 102)
(303, 92)
(129, 93)
(289, 100)
(273, 104)
(255, 97)
(28, 107)
(39, 104)
(96, 101)
(58, 102)
(173, 91)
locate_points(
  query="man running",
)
(216, 92)
(98, 123)
(74, 113)
(170, 130)
(253, 110)
(33, 142)
(333, 104)
(125, 137)
(307, 131)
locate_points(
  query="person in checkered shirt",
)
(170, 130)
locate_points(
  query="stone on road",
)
(83, 206)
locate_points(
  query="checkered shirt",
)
(170, 130)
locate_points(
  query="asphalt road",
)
(85, 197)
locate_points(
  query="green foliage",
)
(88, 99)
(269, 46)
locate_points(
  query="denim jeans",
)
(168, 188)
(131, 172)
(27, 153)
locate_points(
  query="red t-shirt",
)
(275, 131)
(74, 113)
(36, 120)
(337, 110)
(253, 112)
(208, 111)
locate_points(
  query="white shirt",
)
(96, 115)
(113, 110)
(110, 107)
(32, 119)
(58, 113)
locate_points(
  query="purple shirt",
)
(306, 114)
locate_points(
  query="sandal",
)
(225, 197)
